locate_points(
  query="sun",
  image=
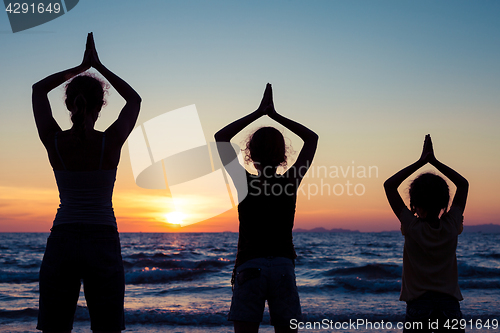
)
(175, 217)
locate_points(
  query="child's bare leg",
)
(284, 329)
(246, 327)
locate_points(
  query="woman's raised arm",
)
(125, 123)
(45, 122)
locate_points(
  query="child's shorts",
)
(261, 279)
(88, 253)
(430, 309)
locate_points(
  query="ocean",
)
(180, 282)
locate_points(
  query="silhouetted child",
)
(264, 268)
(430, 278)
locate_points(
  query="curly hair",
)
(429, 192)
(267, 146)
(84, 93)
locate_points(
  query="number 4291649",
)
(478, 324)
(23, 8)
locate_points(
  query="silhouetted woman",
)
(430, 278)
(84, 242)
(264, 268)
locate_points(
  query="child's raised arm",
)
(460, 182)
(391, 185)
(310, 138)
(224, 136)
(229, 131)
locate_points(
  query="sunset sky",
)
(371, 78)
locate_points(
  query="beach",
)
(181, 282)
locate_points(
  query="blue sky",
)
(370, 77)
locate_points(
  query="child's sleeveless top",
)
(266, 219)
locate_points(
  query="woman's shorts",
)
(82, 252)
(261, 279)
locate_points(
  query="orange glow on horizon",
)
(26, 209)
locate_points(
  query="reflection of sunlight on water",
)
(178, 299)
